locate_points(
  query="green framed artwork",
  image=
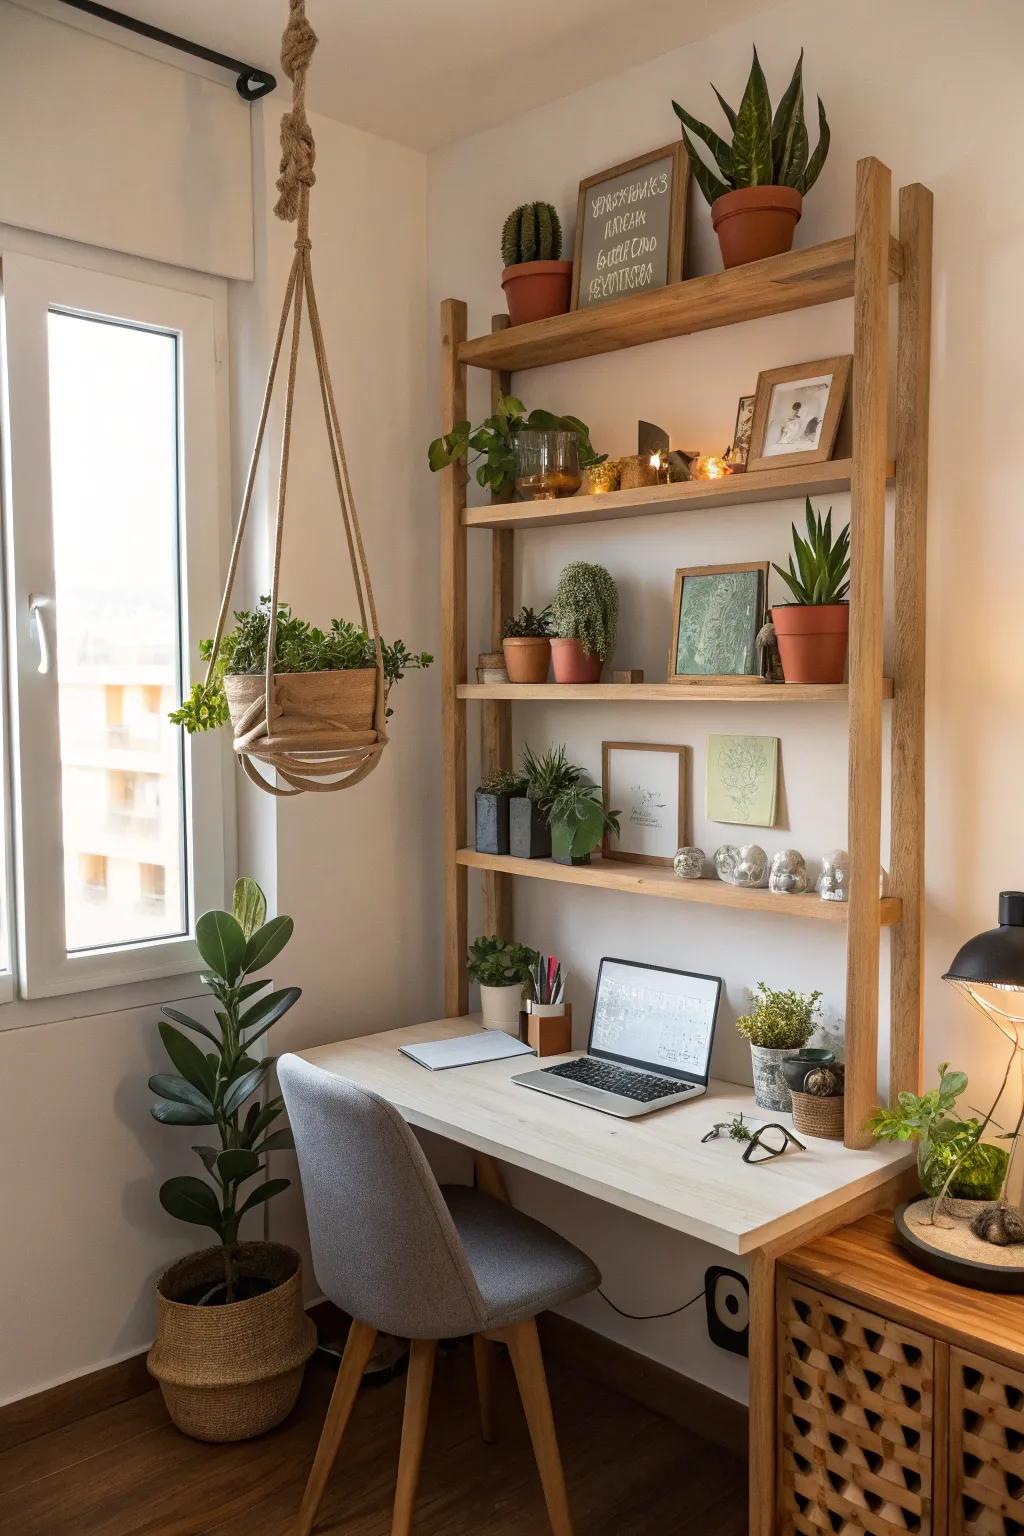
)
(717, 611)
(742, 780)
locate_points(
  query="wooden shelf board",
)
(752, 692)
(653, 880)
(797, 280)
(690, 496)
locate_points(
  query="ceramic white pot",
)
(770, 1090)
(500, 1007)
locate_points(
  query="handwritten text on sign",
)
(626, 227)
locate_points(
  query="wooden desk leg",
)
(489, 1177)
(762, 1507)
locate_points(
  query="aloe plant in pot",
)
(757, 188)
(813, 631)
(536, 281)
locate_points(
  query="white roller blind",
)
(106, 146)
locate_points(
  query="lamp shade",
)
(996, 957)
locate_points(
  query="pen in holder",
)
(547, 1027)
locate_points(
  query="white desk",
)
(655, 1167)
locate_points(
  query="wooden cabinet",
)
(900, 1396)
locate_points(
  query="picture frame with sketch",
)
(739, 450)
(717, 614)
(646, 783)
(796, 413)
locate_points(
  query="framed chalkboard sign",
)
(631, 227)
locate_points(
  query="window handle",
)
(37, 604)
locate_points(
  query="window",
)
(113, 561)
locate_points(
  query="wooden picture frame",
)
(767, 450)
(676, 230)
(739, 448)
(756, 620)
(674, 806)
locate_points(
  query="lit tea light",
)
(710, 467)
(659, 464)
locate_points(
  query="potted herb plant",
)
(813, 631)
(761, 176)
(502, 970)
(578, 822)
(494, 443)
(304, 656)
(778, 1024)
(536, 281)
(584, 617)
(546, 776)
(232, 1336)
(953, 1162)
(492, 809)
(526, 643)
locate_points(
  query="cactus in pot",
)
(537, 283)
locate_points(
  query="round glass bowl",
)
(547, 464)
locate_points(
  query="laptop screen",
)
(653, 1017)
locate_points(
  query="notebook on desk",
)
(465, 1050)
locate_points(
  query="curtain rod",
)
(251, 83)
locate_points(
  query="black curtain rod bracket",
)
(251, 83)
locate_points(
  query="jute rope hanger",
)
(307, 741)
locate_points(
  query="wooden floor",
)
(127, 1471)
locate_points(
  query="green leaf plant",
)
(578, 821)
(766, 149)
(547, 774)
(779, 1021)
(221, 1088)
(528, 625)
(586, 607)
(954, 1160)
(497, 962)
(493, 443)
(819, 569)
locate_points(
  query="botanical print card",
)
(717, 613)
(742, 779)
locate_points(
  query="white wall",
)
(929, 87)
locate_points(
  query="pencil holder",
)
(548, 1028)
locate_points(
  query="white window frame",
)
(32, 286)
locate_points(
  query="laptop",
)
(651, 1034)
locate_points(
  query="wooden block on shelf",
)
(628, 675)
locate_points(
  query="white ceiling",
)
(428, 71)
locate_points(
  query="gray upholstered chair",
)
(402, 1256)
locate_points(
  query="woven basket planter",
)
(324, 725)
(234, 1371)
(816, 1116)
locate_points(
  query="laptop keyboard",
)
(642, 1086)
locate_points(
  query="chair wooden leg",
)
(358, 1349)
(414, 1428)
(483, 1358)
(528, 1364)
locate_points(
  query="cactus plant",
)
(532, 232)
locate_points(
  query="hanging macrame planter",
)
(318, 730)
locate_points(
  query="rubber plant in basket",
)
(584, 618)
(757, 187)
(813, 631)
(778, 1024)
(537, 283)
(232, 1336)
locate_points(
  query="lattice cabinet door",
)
(986, 1446)
(856, 1419)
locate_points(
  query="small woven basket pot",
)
(234, 1371)
(322, 732)
(816, 1116)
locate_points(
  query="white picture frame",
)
(646, 784)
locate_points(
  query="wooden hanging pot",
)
(318, 730)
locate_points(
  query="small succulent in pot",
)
(757, 186)
(537, 283)
(526, 644)
(813, 630)
(778, 1024)
(584, 613)
(547, 774)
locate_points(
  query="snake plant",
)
(765, 150)
(820, 572)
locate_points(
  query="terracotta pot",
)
(573, 664)
(755, 222)
(536, 290)
(527, 658)
(813, 641)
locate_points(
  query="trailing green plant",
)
(821, 570)
(548, 774)
(493, 443)
(497, 962)
(953, 1159)
(578, 820)
(779, 1021)
(503, 781)
(527, 625)
(586, 608)
(532, 232)
(764, 150)
(219, 1087)
(299, 647)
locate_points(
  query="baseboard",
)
(68, 1401)
(690, 1404)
